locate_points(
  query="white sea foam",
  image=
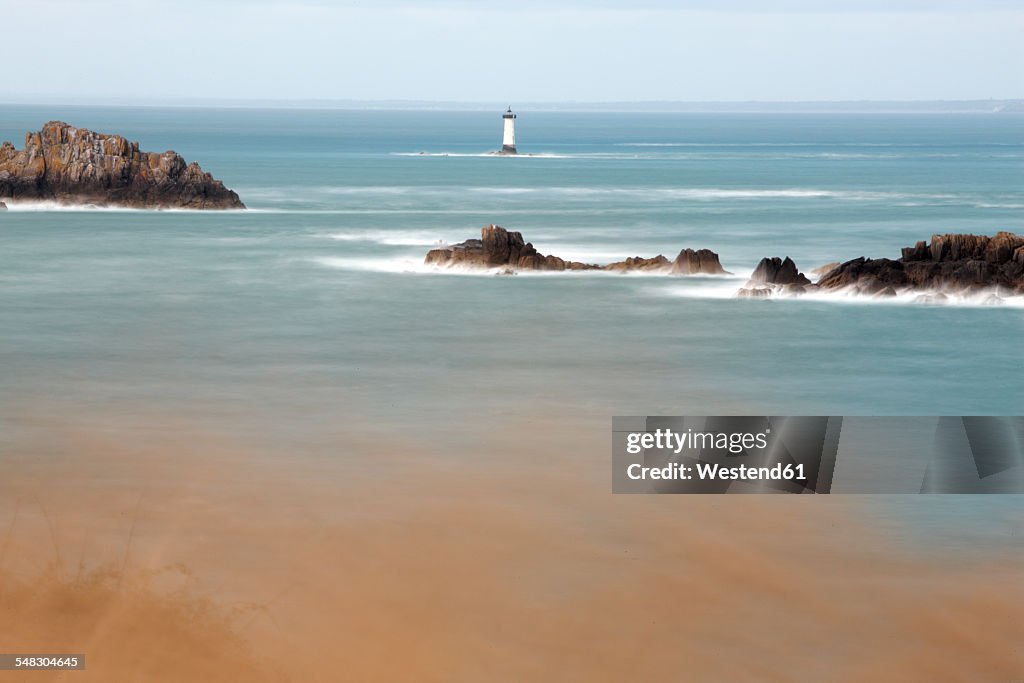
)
(429, 239)
(844, 296)
(713, 193)
(483, 211)
(715, 144)
(699, 152)
(396, 238)
(494, 155)
(54, 206)
(412, 195)
(413, 264)
(802, 144)
(698, 193)
(917, 298)
(376, 265)
(992, 205)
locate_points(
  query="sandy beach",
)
(181, 556)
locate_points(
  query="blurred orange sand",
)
(184, 558)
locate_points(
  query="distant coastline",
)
(986, 106)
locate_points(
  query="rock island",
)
(76, 166)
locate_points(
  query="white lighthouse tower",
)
(508, 140)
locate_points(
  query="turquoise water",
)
(315, 302)
(310, 315)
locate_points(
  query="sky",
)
(517, 50)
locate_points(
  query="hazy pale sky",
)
(519, 50)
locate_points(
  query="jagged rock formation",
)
(499, 248)
(775, 275)
(951, 263)
(701, 261)
(776, 271)
(74, 165)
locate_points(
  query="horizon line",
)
(991, 104)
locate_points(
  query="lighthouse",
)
(508, 140)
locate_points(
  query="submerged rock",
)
(74, 165)
(500, 248)
(754, 292)
(3, 207)
(937, 298)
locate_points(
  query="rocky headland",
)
(507, 251)
(76, 166)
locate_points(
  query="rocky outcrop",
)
(699, 262)
(688, 262)
(953, 263)
(500, 248)
(775, 275)
(821, 270)
(865, 276)
(950, 263)
(776, 271)
(658, 263)
(73, 165)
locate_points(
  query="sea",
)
(311, 314)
